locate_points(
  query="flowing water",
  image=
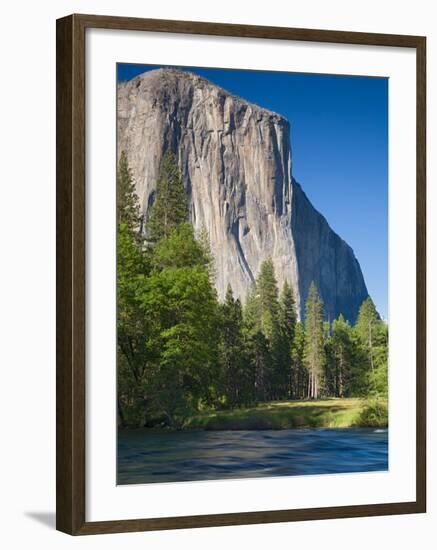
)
(145, 456)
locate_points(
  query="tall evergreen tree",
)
(287, 323)
(314, 342)
(260, 356)
(133, 328)
(268, 296)
(202, 237)
(257, 352)
(378, 378)
(367, 327)
(252, 312)
(237, 377)
(299, 373)
(288, 314)
(372, 335)
(268, 338)
(340, 354)
(182, 303)
(170, 207)
(128, 208)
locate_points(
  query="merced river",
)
(145, 456)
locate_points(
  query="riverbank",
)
(281, 415)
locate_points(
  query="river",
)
(145, 456)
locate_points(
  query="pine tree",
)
(367, 327)
(268, 338)
(132, 327)
(237, 378)
(252, 311)
(287, 325)
(170, 207)
(299, 373)
(260, 355)
(342, 355)
(314, 341)
(128, 208)
(257, 352)
(372, 335)
(202, 237)
(181, 302)
(267, 294)
(288, 315)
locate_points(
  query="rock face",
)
(236, 161)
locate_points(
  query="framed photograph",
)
(240, 274)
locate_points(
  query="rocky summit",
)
(237, 166)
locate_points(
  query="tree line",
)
(180, 349)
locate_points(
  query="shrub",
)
(374, 414)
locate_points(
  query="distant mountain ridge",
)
(237, 166)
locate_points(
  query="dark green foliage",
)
(366, 328)
(374, 414)
(181, 351)
(170, 207)
(132, 327)
(299, 373)
(179, 298)
(339, 358)
(207, 256)
(269, 327)
(314, 342)
(238, 380)
(267, 295)
(262, 361)
(167, 315)
(372, 337)
(182, 303)
(179, 249)
(267, 340)
(128, 210)
(287, 312)
(285, 376)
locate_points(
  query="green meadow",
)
(281, 415)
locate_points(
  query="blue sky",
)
(339, 140)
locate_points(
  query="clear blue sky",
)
(339, 140)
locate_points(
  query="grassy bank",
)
(280, 415)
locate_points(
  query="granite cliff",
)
(236, 162)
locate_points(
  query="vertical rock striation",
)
(236, 162)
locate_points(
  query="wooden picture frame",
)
(71, 254)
